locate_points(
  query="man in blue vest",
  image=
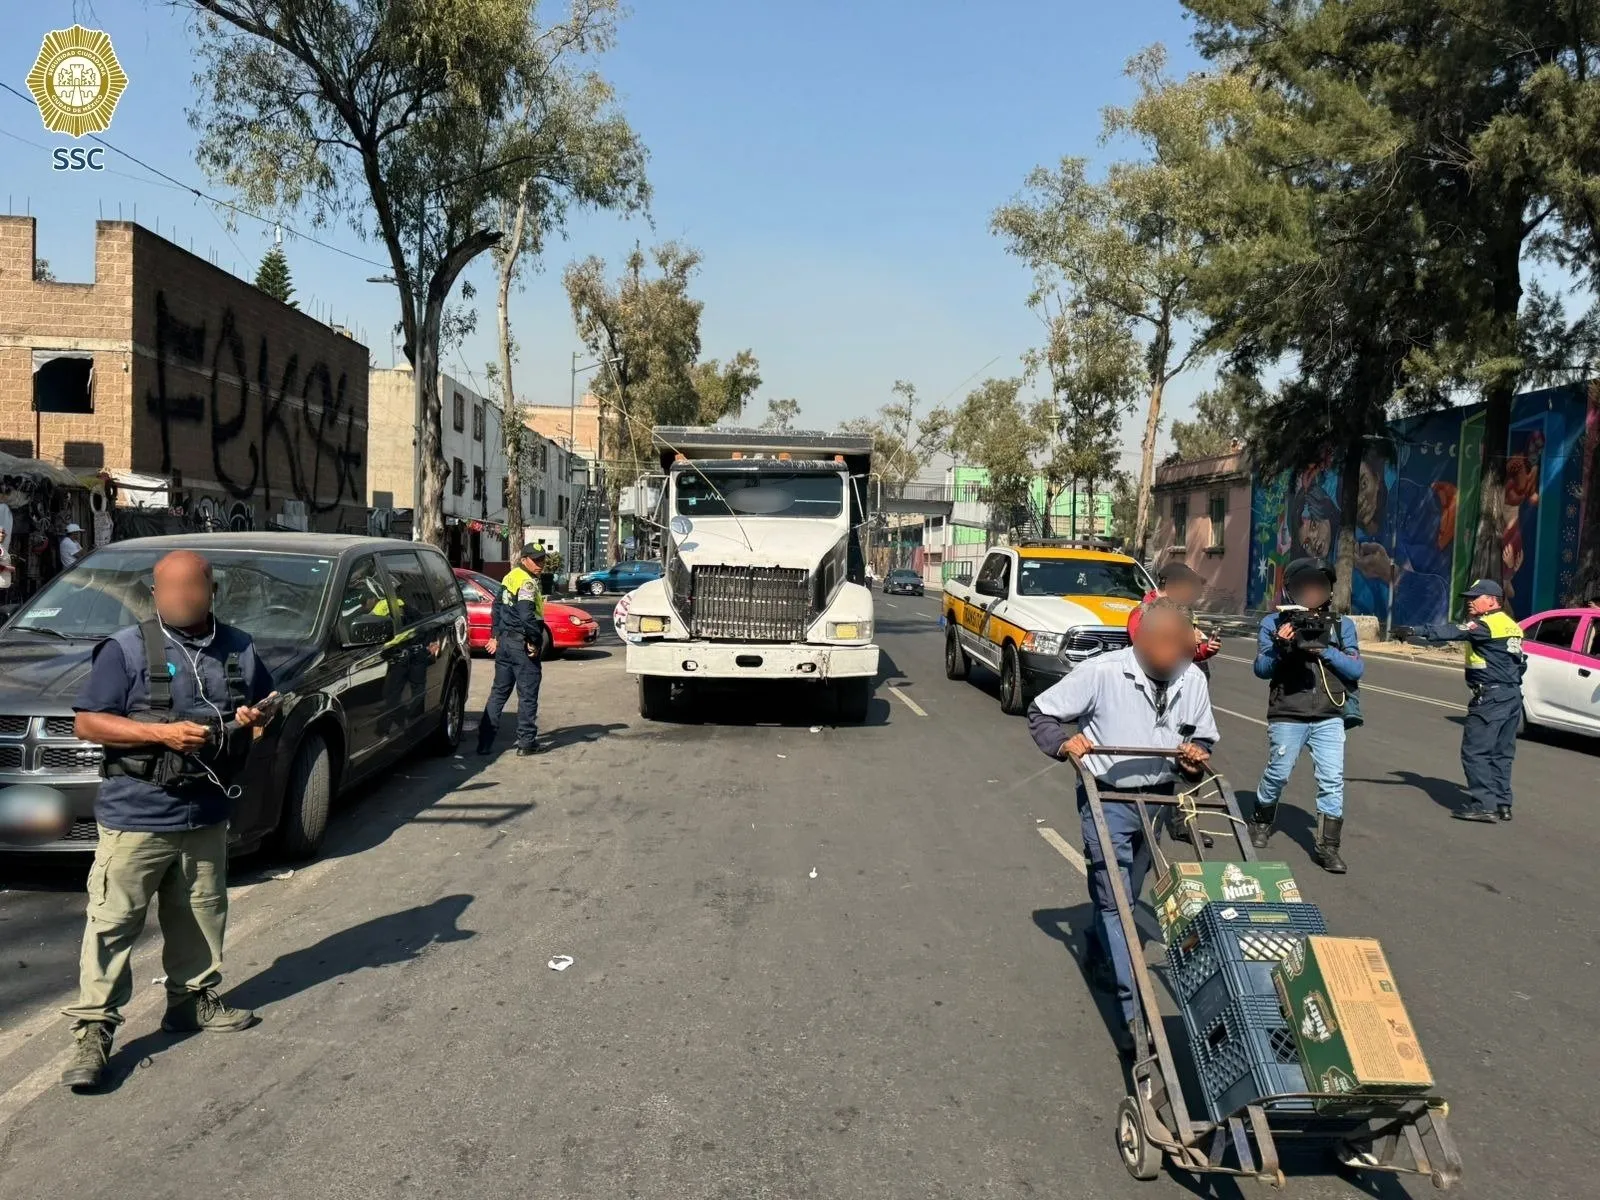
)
(175, 701)
(516, 640)
(1495, 666)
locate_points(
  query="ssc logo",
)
(76, 81)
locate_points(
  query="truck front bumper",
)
(733, 660)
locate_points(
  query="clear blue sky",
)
(836, 163)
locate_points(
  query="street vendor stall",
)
(38, 500)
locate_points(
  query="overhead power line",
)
(206, 196)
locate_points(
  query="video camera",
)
(1312, 627)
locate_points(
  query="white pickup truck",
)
(1035, 610)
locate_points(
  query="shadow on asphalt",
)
(1448, 794)
(571, 735)
(381, 942)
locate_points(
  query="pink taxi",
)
(1562, 687)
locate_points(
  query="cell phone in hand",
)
(269, 704)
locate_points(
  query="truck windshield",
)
(1069, 577)
(775, 493)
(272, 597)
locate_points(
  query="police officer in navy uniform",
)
(516, 640)
(1495, 666)
(176, 701)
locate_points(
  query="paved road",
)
(808, 964)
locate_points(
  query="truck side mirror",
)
(988, 587)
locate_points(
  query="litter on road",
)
(813, 872)
(560, 962)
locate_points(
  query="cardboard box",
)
(1348, 1018)
(1186, 887)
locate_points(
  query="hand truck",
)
(1395, 1133)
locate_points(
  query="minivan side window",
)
(410, 586)
(441, 579)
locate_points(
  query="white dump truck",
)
(763, 575)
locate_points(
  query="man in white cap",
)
(70, 550)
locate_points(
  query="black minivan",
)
(366, 639)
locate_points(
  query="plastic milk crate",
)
(1244, 1052)
(1229, 951)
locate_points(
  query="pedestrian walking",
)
(1148, 694)
(516, 641)
(69, 548)
(175, 701)
(1310, 657)
(1495, 666)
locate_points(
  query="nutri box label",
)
(1186, 887)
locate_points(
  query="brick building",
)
(167, 366)
(1201, 516)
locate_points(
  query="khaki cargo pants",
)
(188, 871)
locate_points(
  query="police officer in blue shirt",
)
(175, 701)
(516, 640)
(1495, 666)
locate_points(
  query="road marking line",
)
(1064, 848)
(909, 702)
(1240, 715)
(891, 604)
(1373, 687)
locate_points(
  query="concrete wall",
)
(391, 449)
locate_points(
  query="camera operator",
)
(1312, 660)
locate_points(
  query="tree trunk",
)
(1345, 555)
(430, 497)
(1488, 552)
(510, 416)
(1147, 465)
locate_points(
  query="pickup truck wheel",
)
(853, 696)
(305, 800)
(655, 697)
(956, 663)
(1013, 697)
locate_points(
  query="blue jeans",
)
(1285, 740)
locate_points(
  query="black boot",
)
(1503, 811)
(88, 1063)
(1326, 853)
(1261, 826)
(1178, 829)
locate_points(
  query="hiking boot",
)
(88, 1065)
(1325, 850)
(1503, 812)
(204, 1012)
(1261, 826)
(1474, 812)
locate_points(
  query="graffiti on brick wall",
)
(276, 427)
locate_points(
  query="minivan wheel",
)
(305, 800)
(447, 737)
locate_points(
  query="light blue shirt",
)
(1113, 703)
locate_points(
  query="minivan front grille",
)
(752, 604)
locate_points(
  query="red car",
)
(569, 627)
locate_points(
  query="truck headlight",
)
(850, 631)
(645, 625)
(1043, 643)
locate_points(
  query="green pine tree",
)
(273, 277)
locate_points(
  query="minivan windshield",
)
(272, 597)
(775, 493)
(1079, 577)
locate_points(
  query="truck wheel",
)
(655, 697)
(853, 696)
(956, 663)
(1013, 696)
(305, 800)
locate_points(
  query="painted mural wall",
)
(1418, 505)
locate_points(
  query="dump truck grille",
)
(750, 604)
